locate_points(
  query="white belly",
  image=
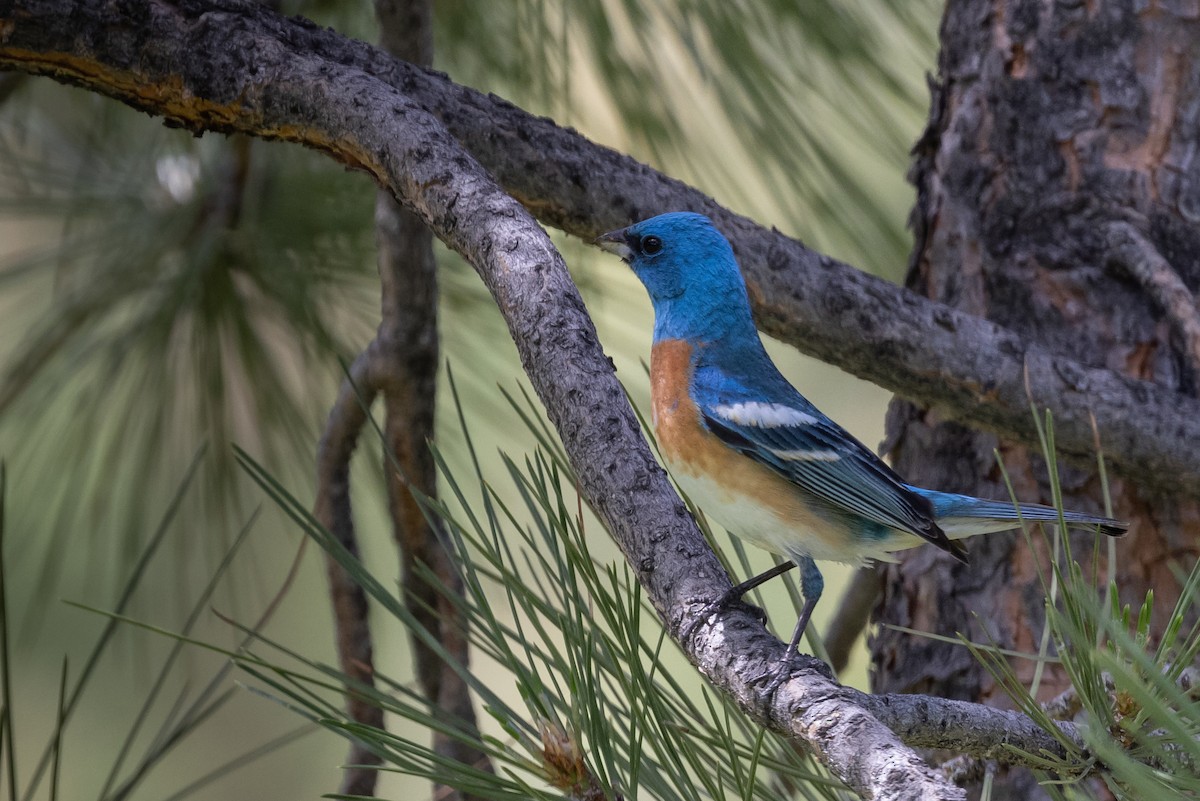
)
(800, 534)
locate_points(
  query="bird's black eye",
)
(651, 245)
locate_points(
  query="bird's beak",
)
(616, 242)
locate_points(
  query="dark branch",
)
(1137, 257)
(852, 615)
(408, 339)
(352, 630)
(969, 368)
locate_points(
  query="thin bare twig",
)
(852, 615)
(332, 508)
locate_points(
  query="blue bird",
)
(753, 452)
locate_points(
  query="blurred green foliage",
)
(799, 114)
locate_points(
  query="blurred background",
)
(164, 297)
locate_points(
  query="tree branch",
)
(408, 339)
(970, 368)
(235, 67)
(352, 630)
(983, 732)
(852, 616)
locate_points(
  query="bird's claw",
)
(777, 676)
(722, 604)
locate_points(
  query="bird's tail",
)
(963, 516)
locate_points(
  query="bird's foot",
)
(730, 600)
(777, 675)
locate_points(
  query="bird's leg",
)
(812, 584)
(734, 595)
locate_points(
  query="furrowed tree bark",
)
(408, 339)
(220, 68)
(1058, 197)
(968, 368)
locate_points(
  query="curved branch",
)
(235, 67)
(332, 508)
(970, 368)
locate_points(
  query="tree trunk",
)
(1056, 196)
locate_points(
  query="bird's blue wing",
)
(793, 438)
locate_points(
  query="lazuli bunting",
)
(753, 452)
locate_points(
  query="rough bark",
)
(1057, 197)
(971, 369)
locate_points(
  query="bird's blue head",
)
(691, 274)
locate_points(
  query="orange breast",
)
(675, 416)
(747, 498)
(683, 439)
